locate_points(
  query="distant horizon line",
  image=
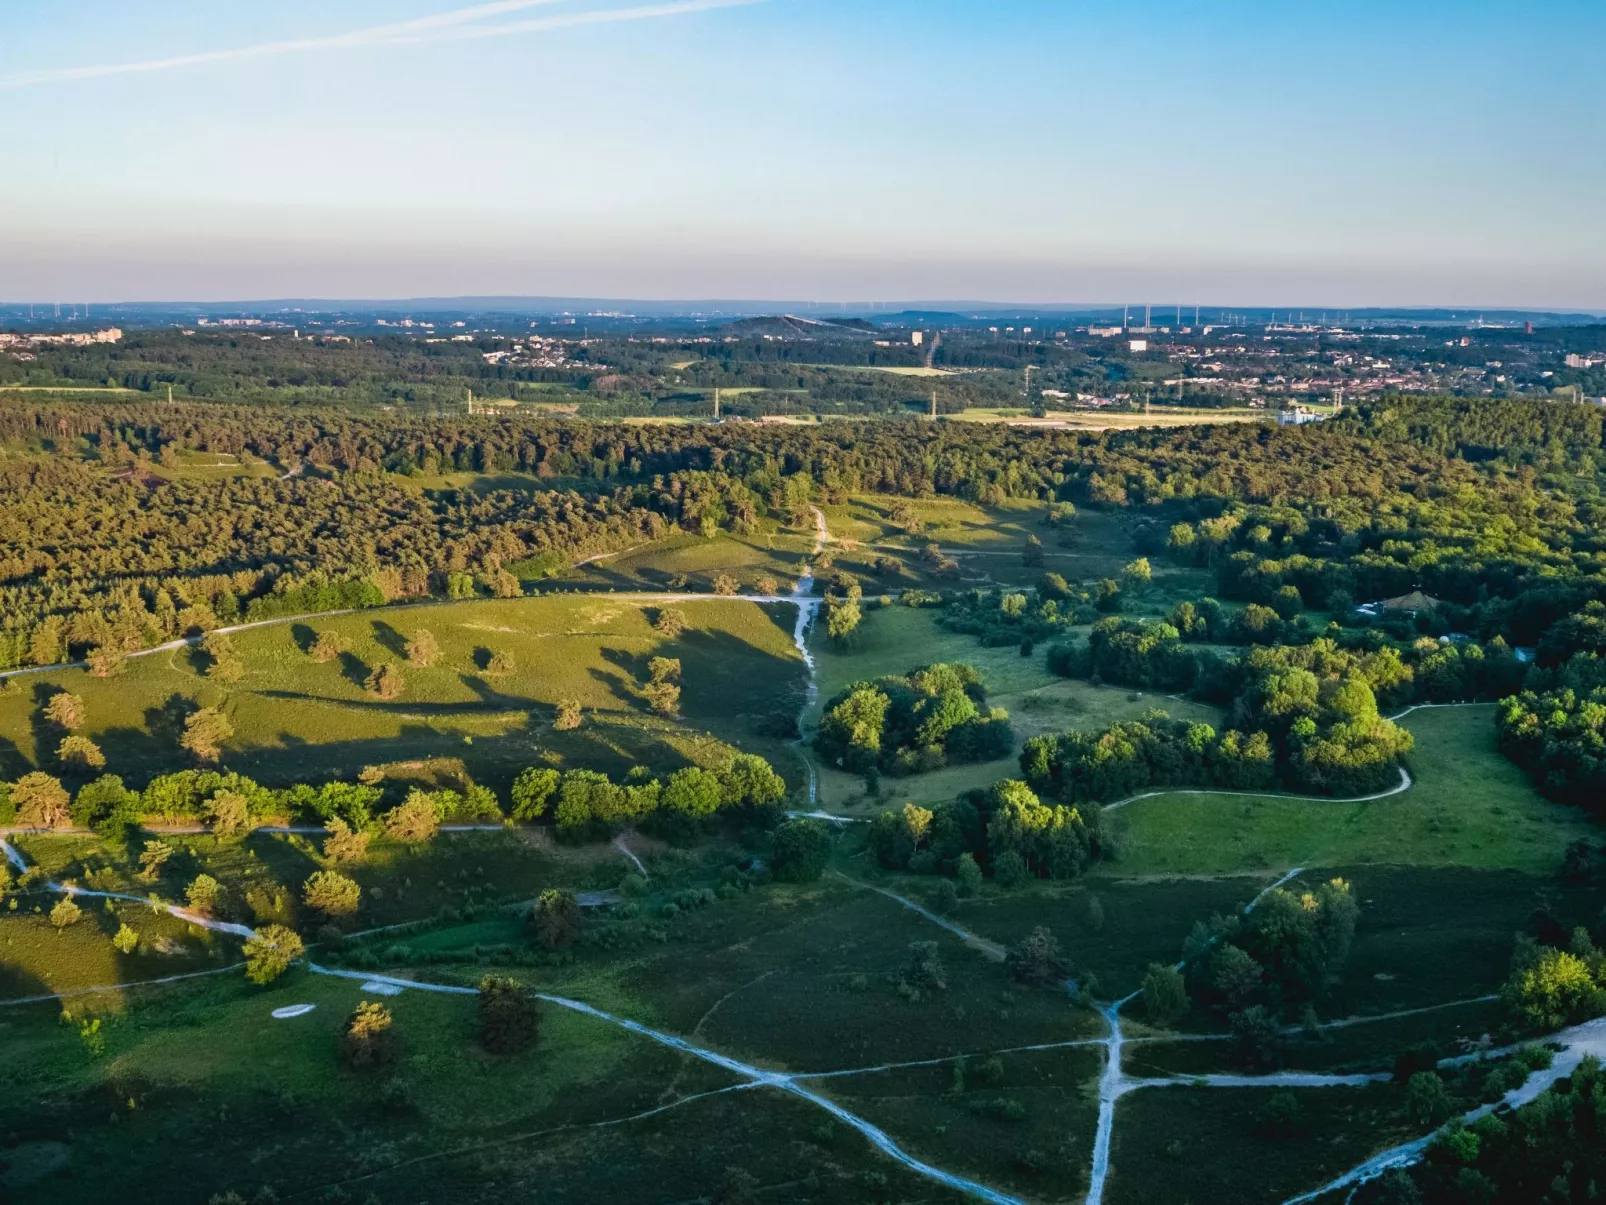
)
(692, 305)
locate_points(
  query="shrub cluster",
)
(919, 721)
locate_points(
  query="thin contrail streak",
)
(437, 27)
(567, 20)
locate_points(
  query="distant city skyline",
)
(1023, 151)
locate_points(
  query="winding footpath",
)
(756, 1077)
(808, 607)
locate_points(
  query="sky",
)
(1249, 152)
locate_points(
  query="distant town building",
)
(917, 338)
(75, 339)
(1104, 332)
(1574, 360)
(1297, 416)
(1137, 345)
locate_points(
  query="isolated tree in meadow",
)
(331, 893)
(1032, 555)
(40, 801)
(423, 649)
(229, 813)
(414, 820)
(568, 717)
(78, 752)
(326, 647)
(724, 583)
(501, 664)
(555, 919)
(386, 682)
(204, 734)
(842, 618)
(767, 585)
(204, 895)
(270, 951)
(344, 844)
(65, 711)
(152, 858)
(1036, 960)
(1165, 994)
(225, 664)
(125, 940)
(65, 913)
(369, 1039)
(663, 692)
(924, 971)
(509, 1020)
(800, 849)
(670, 623)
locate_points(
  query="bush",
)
(65, 913)
(1165, 994)
(386, 682)
(1036, 960)
(332, 893)
(269, 953)
(555, 919)
(205, 895)
(800, 850)
(509, 1021)
(369, 1039)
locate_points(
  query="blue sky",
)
(1248, 152)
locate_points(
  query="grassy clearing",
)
(1134, 923)
(1027, 1129)
(36, 957)
(805, 979)
(894, 640)
(200, 1087)
(1470, 807)
(296, 719)
(1357, 1048)
(1197, 1146)
(1432, 934)
(780, 553)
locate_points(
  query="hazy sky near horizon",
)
(1243, 152)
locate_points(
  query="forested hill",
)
(105, 541)
(1549, 435)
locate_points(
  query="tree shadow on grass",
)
(353, 669)
(166, 723)
(12, 763)
(303, 636)
(135, 755)
(723, 675)
(620, 686)
(389, 639)
(634, 664)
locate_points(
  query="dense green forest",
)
(99, 549)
